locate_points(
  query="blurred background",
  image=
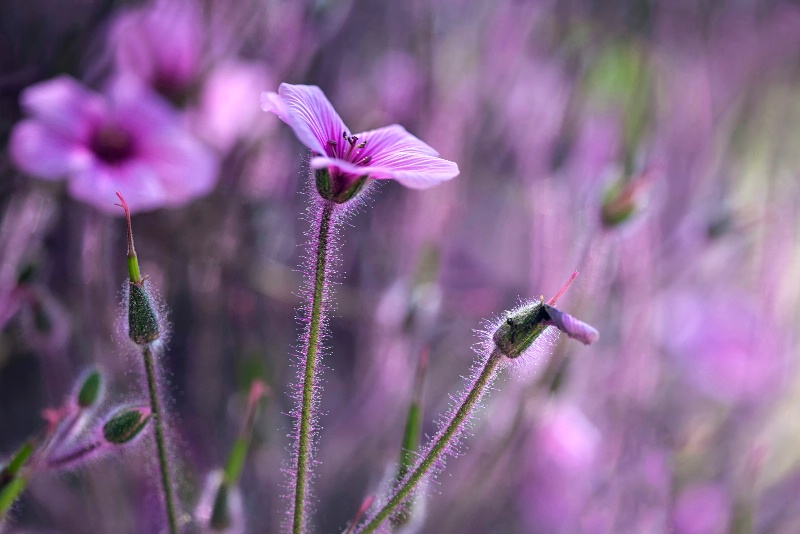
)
(652, 146)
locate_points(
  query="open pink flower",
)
(128, 141)
(388, 153)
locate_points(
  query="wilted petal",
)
(42, 152)
(393, 138)
(571, 326)
(308, 112)
(63, 105)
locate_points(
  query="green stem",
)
(155, 406)
(306, 413)
(440, 446)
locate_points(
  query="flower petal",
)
(571, 326)
(392, 138)
(414, 170)
(64, 105)
(39, 150)
(309, 113)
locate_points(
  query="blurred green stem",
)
(155, 406)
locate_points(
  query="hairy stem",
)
(443, 441)
(155, 406)
(309, 378)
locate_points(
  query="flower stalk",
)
(441, 444)
(306, 423)
(144, 330)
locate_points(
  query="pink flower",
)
(160, 45)
(388, 153)
(128, 141)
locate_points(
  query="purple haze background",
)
(649, 145)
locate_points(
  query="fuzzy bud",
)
(126, 424)
(143, 325)
(90, 390)
(520, 329)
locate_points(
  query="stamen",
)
(365, 161)
(331, 142)
(362, 145)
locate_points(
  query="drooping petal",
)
(308, 112)
(392, 138)
(414, 170)
(571, 326)
(40, 151)
(64, 105)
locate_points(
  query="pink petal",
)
(308, 112)
(393, 138)
(226, 111)
(39, 150)
(571, 326)
(414, 170)
(138, 181)
(159, 43)
(64, 105)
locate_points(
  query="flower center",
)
(349, 150)
(112, 144)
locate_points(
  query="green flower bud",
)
(90, 389)
(143, 327)
(126, 424)
(520, 329)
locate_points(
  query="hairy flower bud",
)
(126, 424)
(143, 327)
(90, 390)
(520, 329)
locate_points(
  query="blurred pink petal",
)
(226, 111)
(40, 150)
(66, 106)
(135, 144)
(160, 44)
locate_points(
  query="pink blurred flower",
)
(161, 45)
(386, 153)
(702, 509)
(167, 47)
(559, 472)
(726, 346)
(126, 140)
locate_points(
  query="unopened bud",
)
(126, 424)
(90, 389)
(624, 199)
(520, 329)
(143, 327)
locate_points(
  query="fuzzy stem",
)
(155, 406)
(440, 446)
(309, 377)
